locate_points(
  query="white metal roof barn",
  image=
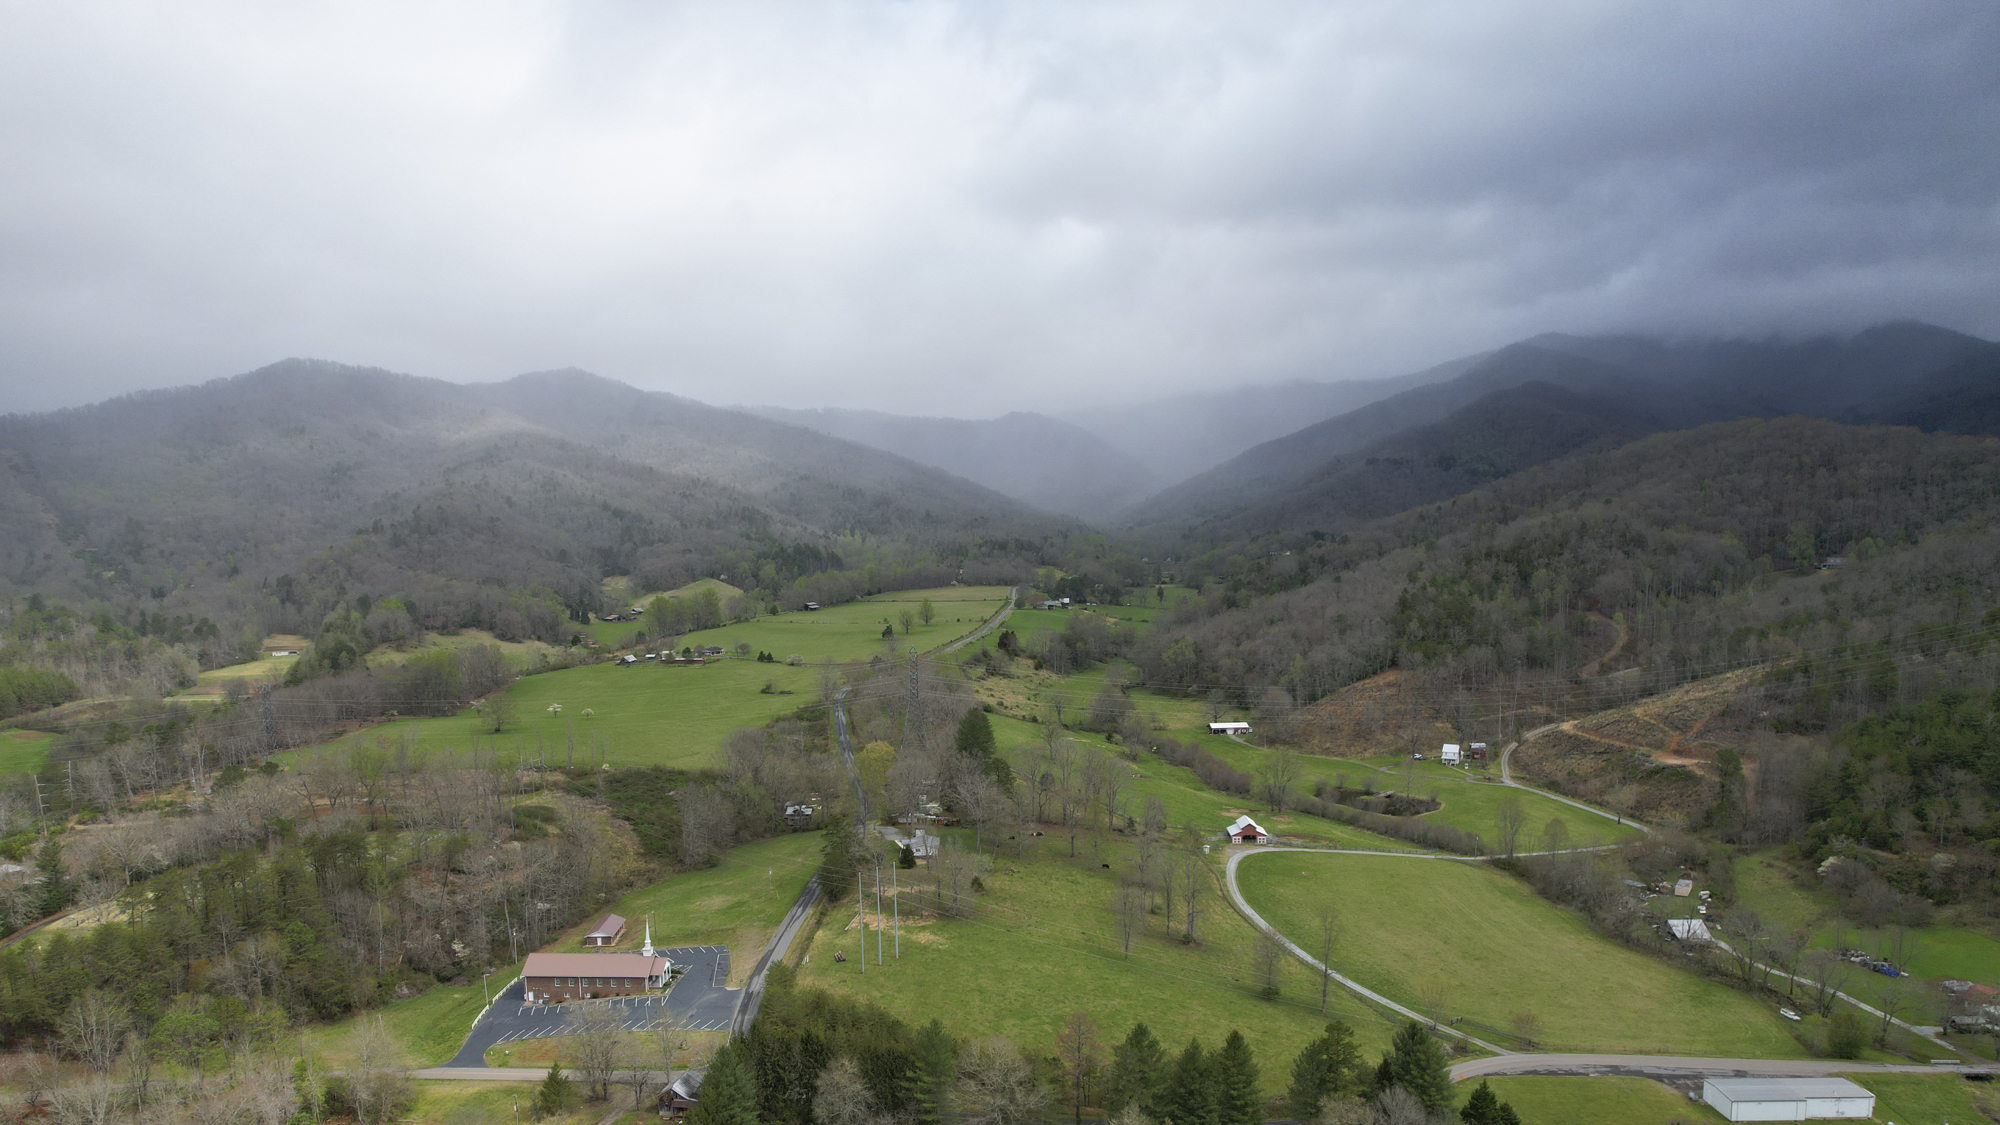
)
(1787, 1099)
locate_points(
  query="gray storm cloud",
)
(970, 208)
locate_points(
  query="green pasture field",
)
(645, 714)
(737, 903)
(1187, 800)
(679, 715)
(24, 751)
(1590, 1101)
(1498, 951)
(854, 631)
(1470, 805)
(611, 634)
(1041, 944)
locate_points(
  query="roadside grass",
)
(737, 903)
(1489, 948)
(430, 1027)
(1602, 1098)
(1912, 1098)
(1041, 944)
(453, 1102)
(540, 1052)
(24, 751)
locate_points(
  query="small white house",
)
(1788, 1099)
(1690, 929)
(1449, 755)
(1229, 728)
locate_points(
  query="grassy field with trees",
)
(1044, 939)
(1459, 939)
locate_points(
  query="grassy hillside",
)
(1500, 952)
(1041, 944)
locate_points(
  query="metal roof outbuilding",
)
(1788, 1099)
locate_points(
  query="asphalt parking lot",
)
(699, 998)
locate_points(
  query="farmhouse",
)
(1787, 1099)
(1229, 728)
(606, 932)
(1449, 755)
(921, 846)
(1247, 831)
(1690, 929)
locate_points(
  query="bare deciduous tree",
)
(1130, 912)
(842, 1097)
(996, 1086)
(93, 1030)
(1512, 818)
(594, 1027)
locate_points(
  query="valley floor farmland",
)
(1041, 943)
(651, 714)
(1419, 931)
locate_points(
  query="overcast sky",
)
(970, 208)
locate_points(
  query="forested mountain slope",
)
(1900, 373)
(1703, 542)
(1049, 463)
(261, 502)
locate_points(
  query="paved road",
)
(752, 996)
(1676, 1066)
(699, 1000)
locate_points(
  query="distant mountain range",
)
(1556, 395)
(1043, 461)
(367, 479)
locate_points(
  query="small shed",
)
(1683, 888)
(1476, 751)
(1450, 755)
(1229, 728)
(1788, 1099)
(607, 931)
(1247, 831)
(681, 1096)
(1690, 929)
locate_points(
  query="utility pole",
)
(41, 806)
(861, 919)
(896, 904)
(878, 910)
(910, 718)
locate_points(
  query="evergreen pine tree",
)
(1482, 1108)
(51, 888)
(1385, 1076)
(728, 1093)
(1416, 1063)
(1190, 1094)
(1506, 1115)
(1236, 1100)
(933, 1059)
(1328, 1065)
(975, 740)
(1138, 1073)
(554, 1094)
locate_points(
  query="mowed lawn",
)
(1499, 951)
(737, 903)
(24, 751)
(483, 1103)
(1589, 1101)
(1041, 944)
